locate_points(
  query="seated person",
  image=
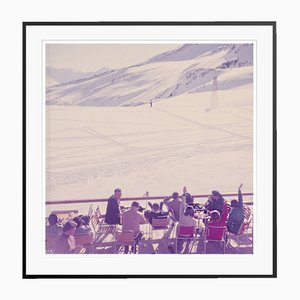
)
(131, 220)
(53, 228)
(81, 228)
(156, 212)
(187, 213)
(216, 221)
(65, 244)
(173, 205)
(236, 215)
(224, 213)
(85, 219)
(186, 217)
(215, 202)
(189, 199)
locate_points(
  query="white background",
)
(15, 12)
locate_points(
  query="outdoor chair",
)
(90, 211)
(86, 240)
(243, 229)
(99, 226)
(125, 238)
(185, 233)
(159, 224)
(215, 234)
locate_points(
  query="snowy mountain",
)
(190, 68)
(56, 76)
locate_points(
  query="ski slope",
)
(179, 141)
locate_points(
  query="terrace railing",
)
(144, 198)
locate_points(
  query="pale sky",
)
(91, 57)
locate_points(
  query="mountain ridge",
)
(190, 68)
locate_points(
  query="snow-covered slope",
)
(177, 142)
(187, 69)
(191, 51)
(56, 76)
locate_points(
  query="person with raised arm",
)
(186, 213)
(156, 212)
(173, 205)
(236, 215)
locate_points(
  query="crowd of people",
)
(64, 234)
(181, 210)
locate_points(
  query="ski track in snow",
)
(158, 149)
(205, 125)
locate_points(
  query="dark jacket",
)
(215, 204)
(149, 214)
(236, 216)
(155, 215)
(112, 215)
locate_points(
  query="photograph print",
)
(149, 148)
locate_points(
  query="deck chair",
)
(97, 213)
(90, 211)
(184, 233)
(86, 240)
(125, 238)
(215, 234)
(103, 231)
(244, 228)
(98, 225)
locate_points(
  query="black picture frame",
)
(272, 24)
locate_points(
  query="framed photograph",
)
(149, 149)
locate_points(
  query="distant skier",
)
(151, 103)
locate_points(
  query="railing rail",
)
(57, 202)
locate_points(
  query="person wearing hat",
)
(112, 215)
(66, 242)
